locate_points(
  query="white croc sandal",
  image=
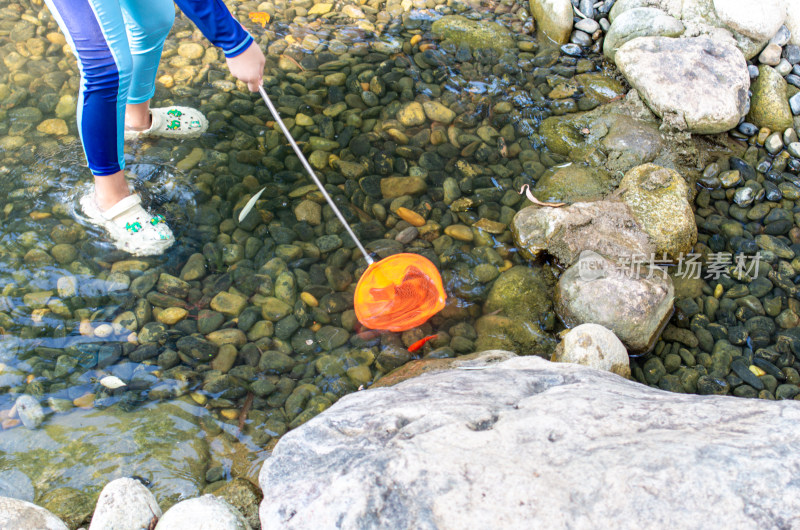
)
(172, 122)
(131, 227)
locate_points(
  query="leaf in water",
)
(259, 17)
(250, 204)
(112, 382)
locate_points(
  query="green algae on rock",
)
(474, 33)
(769, 106)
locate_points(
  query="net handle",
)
(311, 173)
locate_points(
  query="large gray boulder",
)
(793, 20)
(695, 84)
(530, 444)
(22, 515)
(629, 299)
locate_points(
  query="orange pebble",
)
(364, 86)
(86, 401)
(415, 39)
(8, 424)
(39, 215)
(30, 378)
(411, 217)
(426, 46)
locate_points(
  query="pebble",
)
(29, 411)
(410, 216)
(459, 232)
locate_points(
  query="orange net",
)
(399, 292)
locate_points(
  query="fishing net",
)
(399, 292)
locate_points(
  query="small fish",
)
(527, 191)
(249, 205)
(112, 382)
(259, 17)
(420, 343)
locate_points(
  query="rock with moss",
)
(659, 200)
(573, 183)
(769, 106)
(161, 436)
(553, 19)
(474, 33)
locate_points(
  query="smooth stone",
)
(200, 511)
(553, 19)
(411, 114)
(125, 503)
(23, 515)
(594, 346)
(172, 315)
(29, 411)
(228, 303)
(437, 112)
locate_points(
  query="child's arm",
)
(218, 25)
(245, 59)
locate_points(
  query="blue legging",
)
(118, 44)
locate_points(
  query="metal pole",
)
(311, 173)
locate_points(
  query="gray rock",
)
(781, 38)
(758, 24)
(606, 227)
(29, 411)
(694, 84)
(794, 104)
(594, 346)
(587, 25)
(625, 300)
(21, 515)
(639, 22)
(670, 7)
(125, 504)
(531, 444)
(207, 511)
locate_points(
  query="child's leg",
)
(95, 31)
(148, 23)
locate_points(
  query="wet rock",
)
(125, 503)
(594, 346)
(474, 33)
(29, 411)
(19, 514)
(522, 399)
(393, 187)
(244, 496)
(228, 303)
(411, 114)
(553, 19)
(768, 106)
(572, 183)
(197, 512)
(664, 71)
(658, 198)
(634, 307)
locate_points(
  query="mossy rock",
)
(769, 106)
(573, 183)
(474, 33)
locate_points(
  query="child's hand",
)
(248, 66)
